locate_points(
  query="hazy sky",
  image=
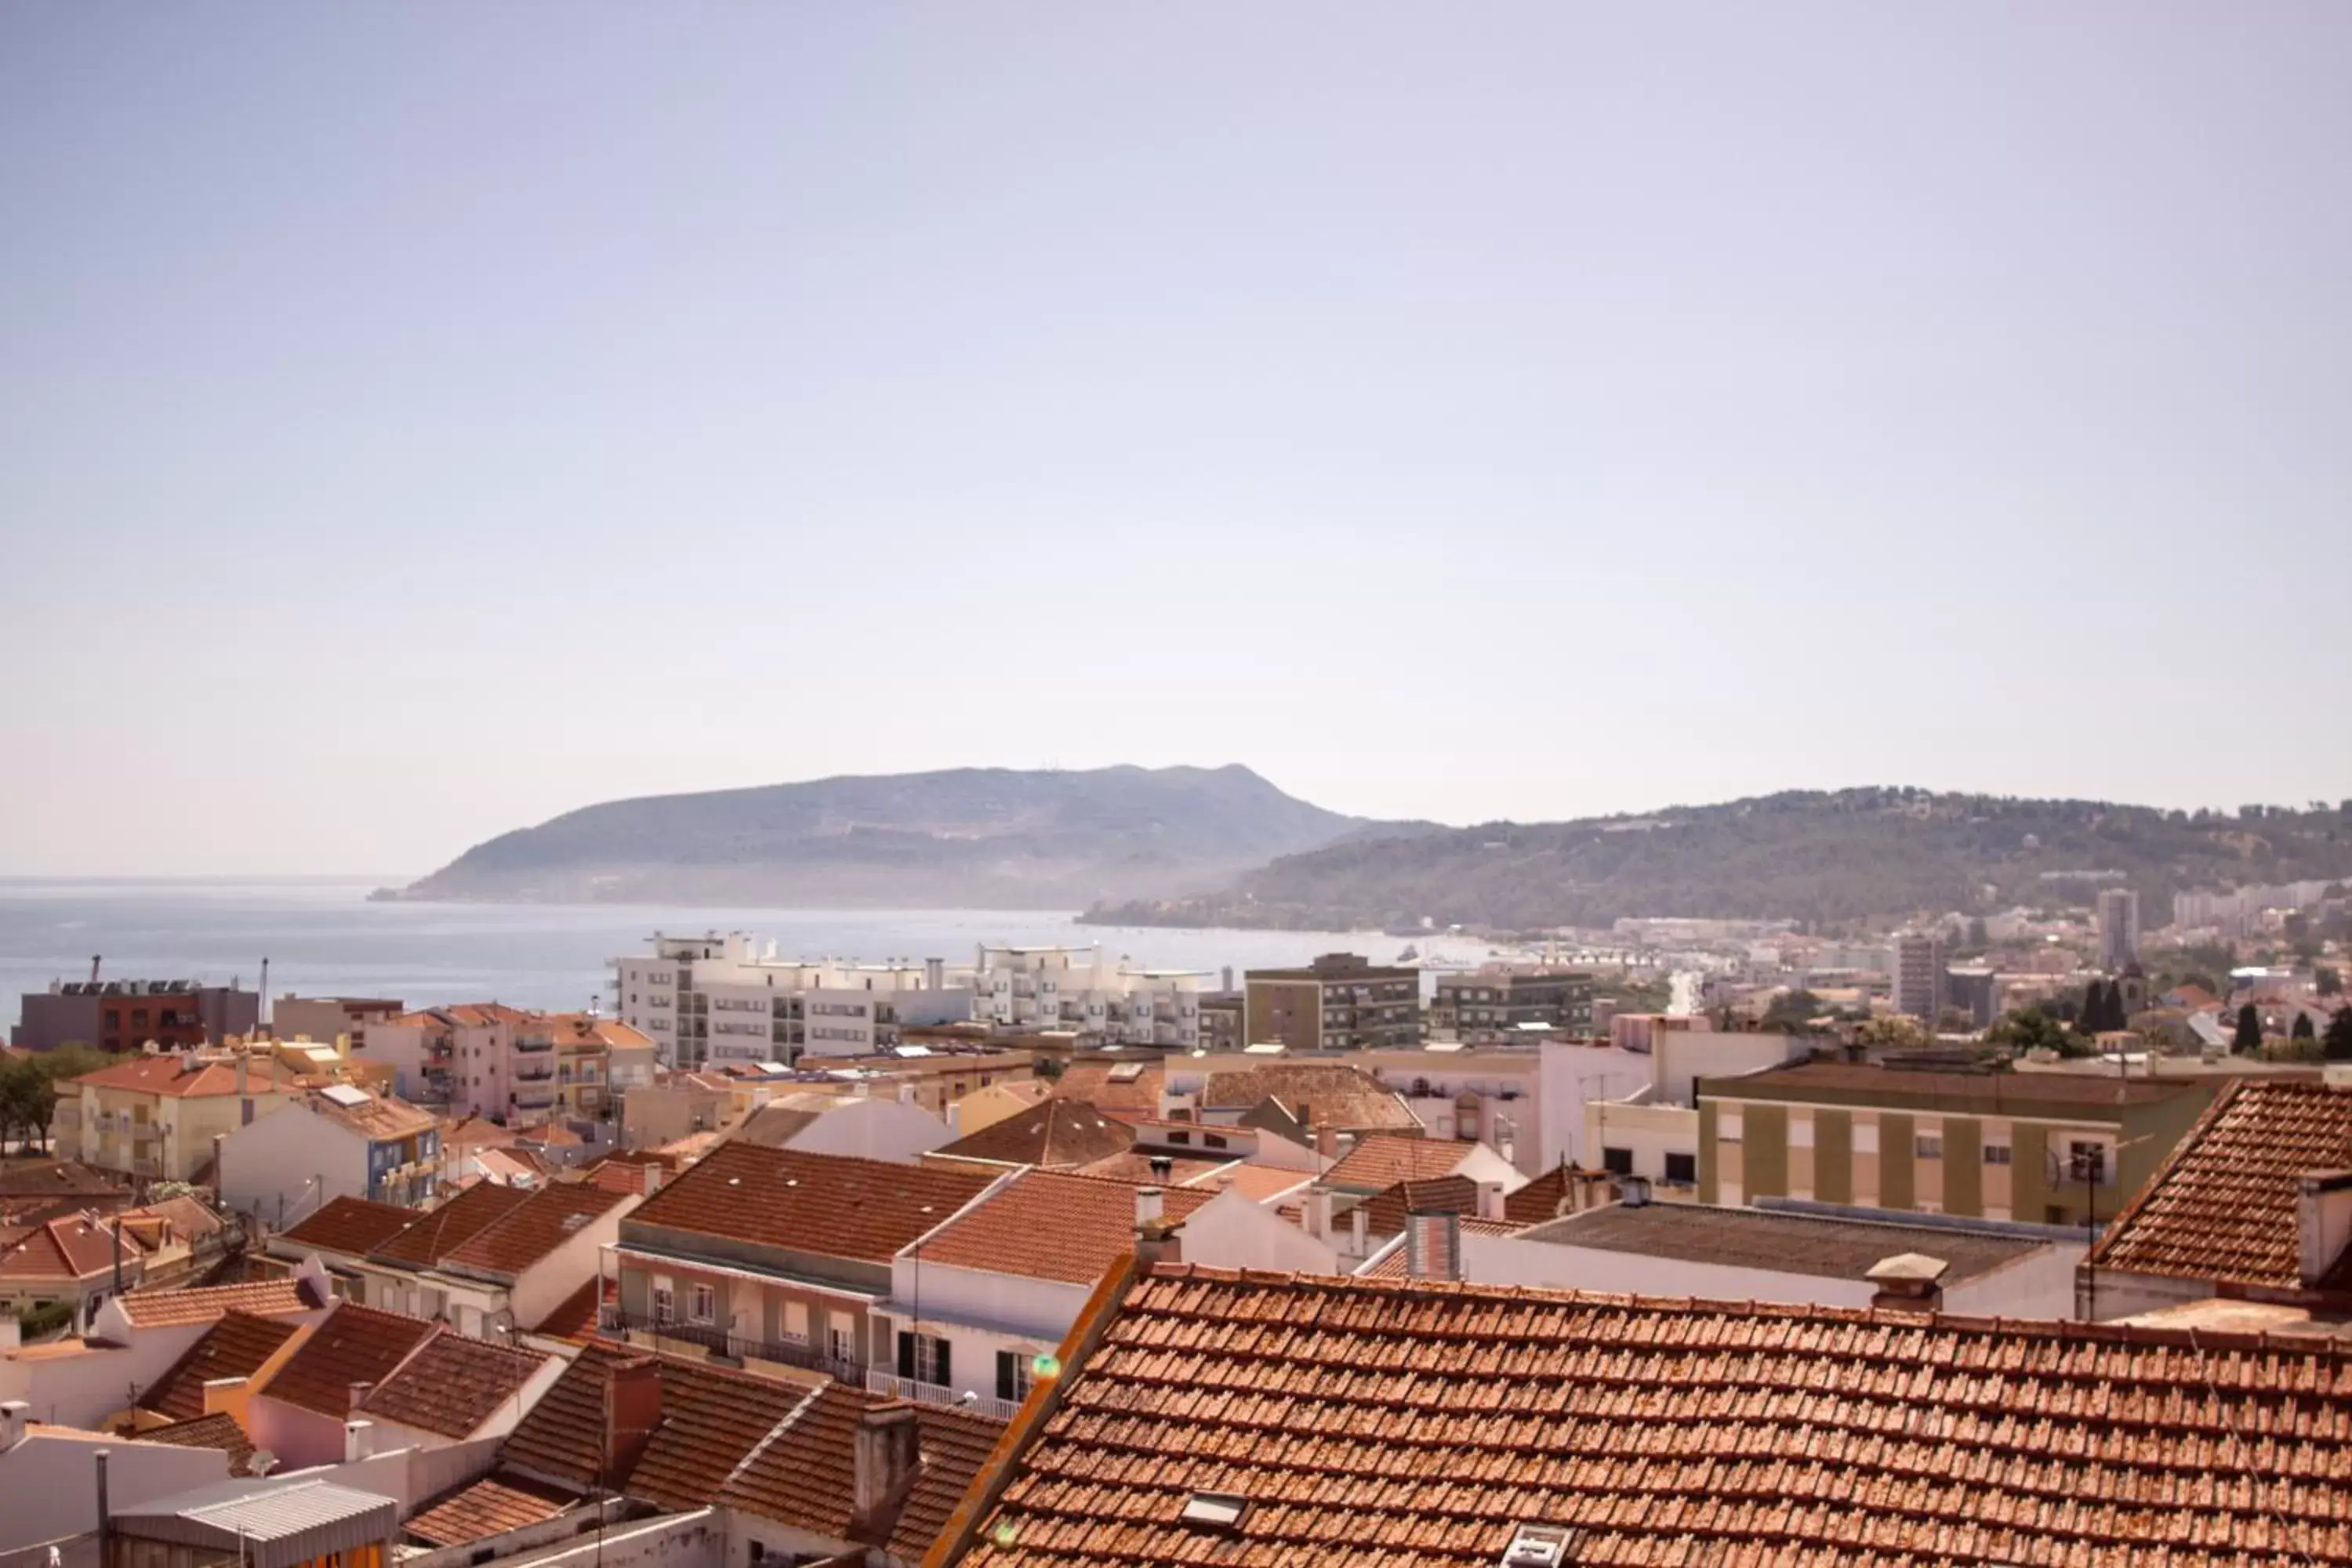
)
(418, 420)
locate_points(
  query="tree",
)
(1790, 1013)
(2249, 1037)
(2337, 1044)
(28, 1099)
(2328, 981)
(2034, 1028)
(1895, 1031)
(2303, 1029)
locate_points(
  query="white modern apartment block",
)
(2118, 927)
(721, 999)
(1083, 989)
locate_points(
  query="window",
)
(1617, 1162)
(1996, 1154)
(1865, 1137)
(1016, 1373)
(1180, 1137)
(1214, 1140)
(923, 1358)
(841, 1339)
(1801, 1130)
(1928, 1146)
(2086, 1162)
(702, 1303)
(1682, 1168)
(1730, 1126)
(664, 1301)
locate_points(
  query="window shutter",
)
(947, 1379)
(905, 1354)
(1004, 1374)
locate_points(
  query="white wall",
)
(1650, 1133)
(293, 1164)
(1685, 1056)
(1571, 1076)
(556, 1278)
(49, 1486)
(2039, 1284)
(1230, 1231)
(874, 1130)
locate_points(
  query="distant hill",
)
(1846, 855)
(969, 837)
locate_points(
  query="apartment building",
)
(722, 998)
(335, 1142)
(2041, 1147)
(1104, 1001)
(126, 1014)
(156, 1118)
(1341, 1002)
(1916, 962)
(293, 1018)
(1498, 1003)
(2118, 929)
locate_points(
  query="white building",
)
(721, 999)
(341, 1141)
(2118, 927)
(1086, 990)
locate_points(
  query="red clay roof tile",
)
(355, 1225)
(822, 1204)
(1052, 1224)
(265, 1297)
(237, 1346)
(1381, 1160)
(355, 1344)
(453, 1384)
(805, 1476)
(1057, 1134)
(491, 1505)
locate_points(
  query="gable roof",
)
(711, 1419)
(1124, 1089)
(237, 1346)
(1381, 1160)
(2225, 1206)
(453, 1385)
(355, 1344)
(1544, 1196)
(1134, 1168)
(1052, 1225)
(574, 1317)
(823, 1205)
(263, 1297)
(534, 1228)
(1371, 1422)
(377, 1118)
(218, 1430)
(354, 1226)
(1386, 1211)
(1321, 1094)
(1057, 1134)
(180, 1075)
(806, 1476)
(73, 1248)
(491, 1505)
(57, 1179)
(427, 1238)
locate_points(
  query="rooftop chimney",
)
(1163, 1169)
(1908, 1282)
(2324, 1220)
(632, 1409)
(357, 1435)
(887, 1454)
(1157, 1241)
(1432, 1245)
(1318, 1211)
(12, 1415)
(1490, 1200)
(1327, 1142)
(1147, 1204)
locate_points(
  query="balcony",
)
(638, 1328)
(535, 1072)
(534, 1043)
(891, 1386)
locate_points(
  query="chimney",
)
(1432, 1245)
(1147, 1205)
(935, 975)
(105, 1514)
(357, 1435)
(12, 1415)
(632, 1409)
(1318, 1211)
(1634, 1191)
(1327, 1144)
(1163, 1169)
(1359, 1226)
(1157, 1241)
(93, 967)
(12, 1333)
(1908, 1282)
(2323, 1221)
(1490, 1200)
(1228, 979)
(887, 1454)
(244, 1088)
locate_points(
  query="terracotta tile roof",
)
(353, 1225)
(574, 1317)
(1052, 1224)
(507, 1167)
(2224, 1206)
(1057, 1134)
(1262, 1183)
(477, 1014)
(1383, 1159)
(180, 1076)
(806, 1476)
(237, 1346)
(1929, 1090)
(355, 1344)
(434, 1235)
(1814, 1245)
(1396, 1263)
(189, 1217)
(380, 1118)
(491, 1505)
(538, 1226)
(473, 1130)
(453, 1385)
(1385, 1210)
(1345, 1099)
(1124, 1095)
(218, 1430)
(823, 1205)
(76, 1246)
(1135, 1166)
(263, 1297)
(581, 1031)
(1375, 1424)
(56, 1179)
(1545, 1197)
(711, 1419)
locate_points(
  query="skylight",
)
(1216, 1511)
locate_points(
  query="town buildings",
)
(126, 1014)
(1916, 962)
(157, 1117)
(2118, 929)
(1340, 1002)
(293, 1018)
(1499, 1002)
(1085, 991)
(2042, 1147)
(720, 998)
(336, 1140)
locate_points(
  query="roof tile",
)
(1052, 1224)
(355, 1344)
(453, 1384)
(237, 1346)
(822, 1204)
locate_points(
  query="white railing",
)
(891, 1386)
